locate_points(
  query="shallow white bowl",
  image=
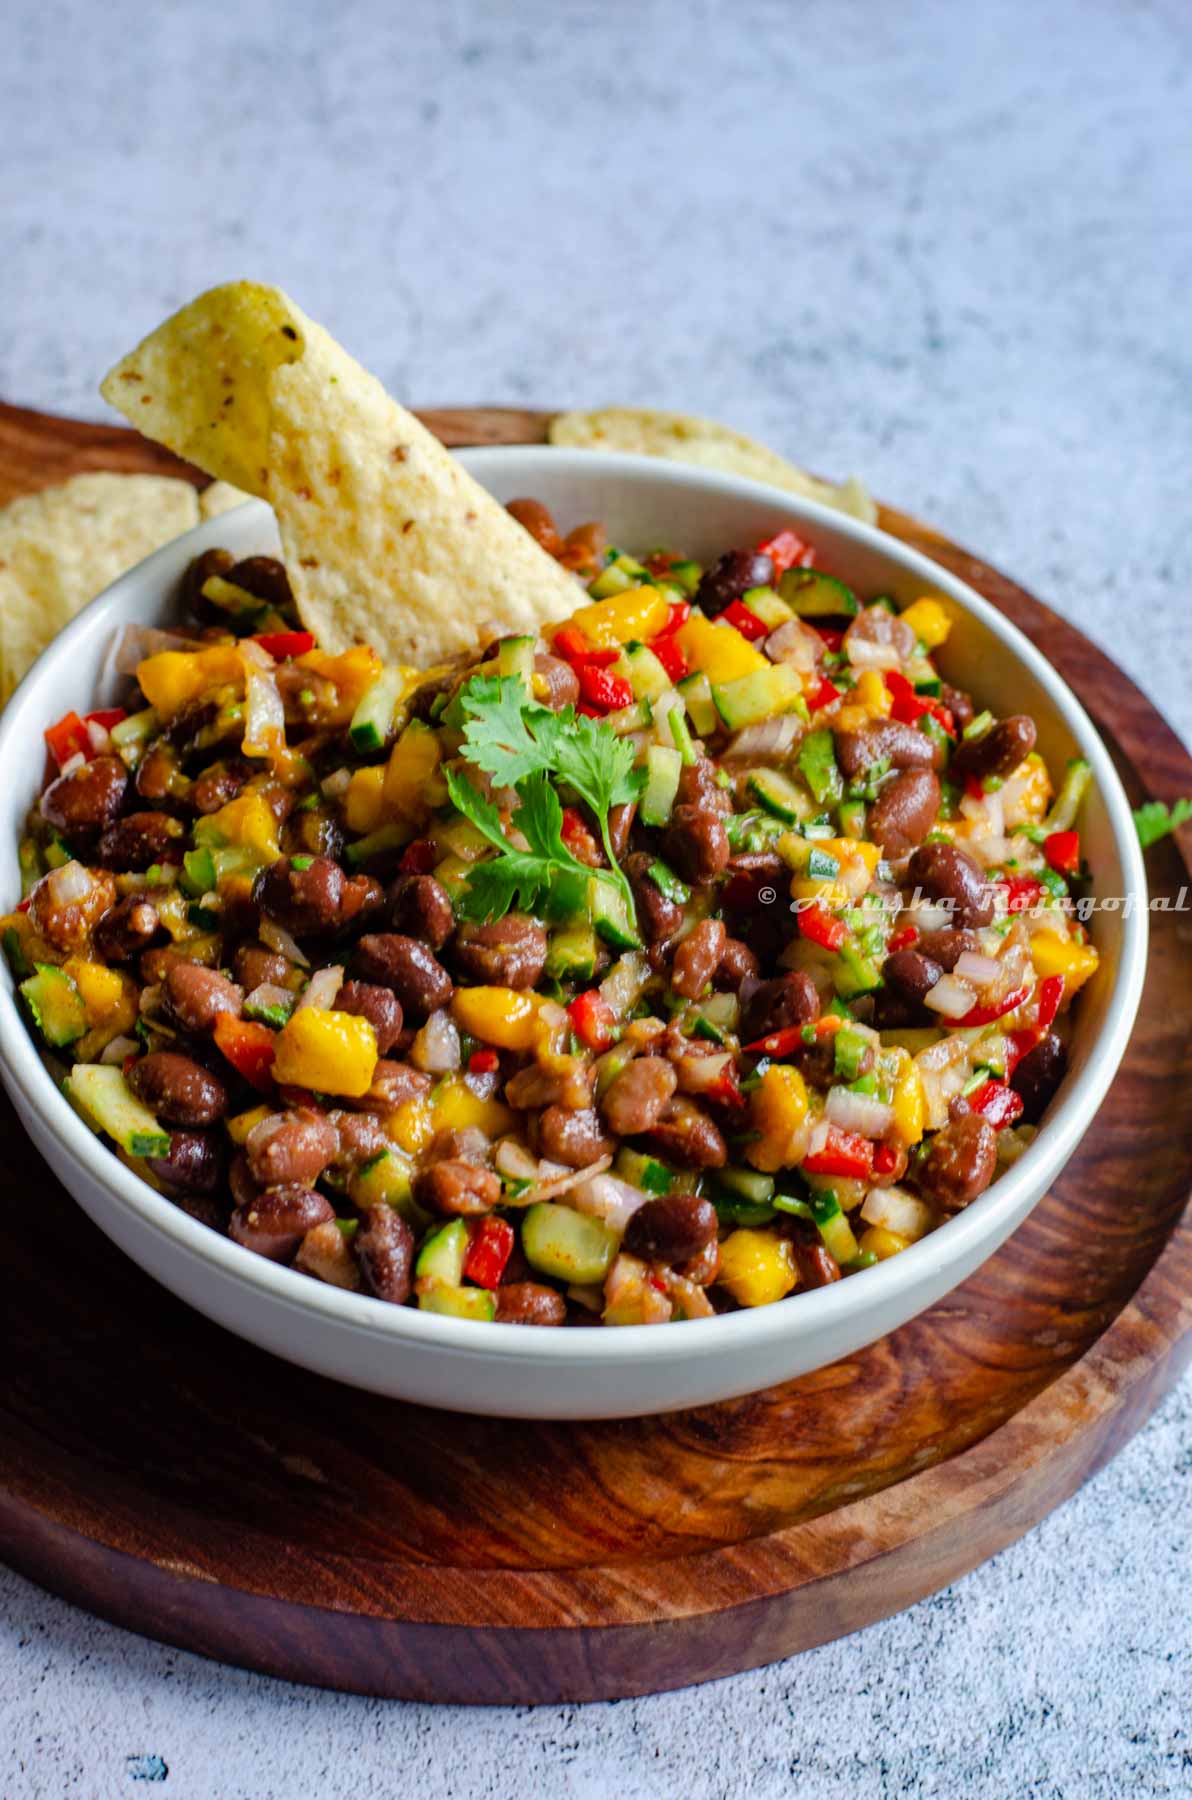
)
(573, 1374)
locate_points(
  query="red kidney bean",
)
(817, 1266)
(538, 521)
(361, 1135)
(508, 952)
(697, 844)
(572, 1136)
(584, 547)
(904, 812)
(731, 576)
(658, 918)
(211, 562)
(69, 926)
(673, 1228)
(877, 625)
(1038, 1075)
(698, 958)
(465, 1143)
(960, 1163)
(775, 1006)
(126, 929)
(687, 1137)
(194, 1164)
(911, 975)
(404, 964)
(959, 704)
(620, 824)
(950, 876)
(379, 1005)
(530, 1303)
(274, 1223)
(947, 947)
(178, 1089)
(254, 965)
(885, 740)
(699, 785)
(384, 1250)
(737, 964)
(458, 1189)
(196, 996)
(393, 1083)
(80, 804)
(134, 843)
(996, 754)
(419, 907)
(291, 1147)
(264, 577)
(303, 894)
(159, 774)
(638, 1096)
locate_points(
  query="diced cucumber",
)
(567, 1245)
(568, 902)
(676, 719)
(373, 720)
(668, 883)
(131, 736)
(1066, 804)
(747, 1184)
(573, 953)
(515, 656)
(644, 672)
(452, 873)
(106, 1101)
(663, 769)
(610, 914)
(637, 717)
(723, 1010)
(384, 1180)
(31, 865)
(56, 1005)
(621, 572)
(778, 795)
(441, 1258)
(696, 694)
(460, 837)
(854, 973)
(821, 865)
(687, 574)
(643, 1171)
(849, 1048)
(459, 1303)
(14, 952)
(819, 768)
(852, 818)
(274, 1012)
(764, 603)
(833, 1227)
(385, 837)
(752, 698)
(198, 873)
(814, 595)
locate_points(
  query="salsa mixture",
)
(706, 948)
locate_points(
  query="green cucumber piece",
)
(568, 902)
(610, 915)
(460, 1303)
(573, 953)
(385, 837)
(695, 691)
(32, 869)
(1066, 804)
(384, 1180)
(687, 574)
(777, 795)
(746, 1184)
(441, 1258)
(373, 720)
(643, 671)
(764, 603)
(813, 595)
(198, 873)
(642, 1171)
(819, 768)
(833, 1227)
(106, 1101)
(668, 883)
(621, 572)
(849, 1048)
(515, 656)
(663, 769)
(764, 695)
(56, 1005)
(131, 737)
(630, 718)
(854, 973)
(567, 1245)
(852, 818)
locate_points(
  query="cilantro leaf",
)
(1156, 820)
(513, 878)
(474, 805)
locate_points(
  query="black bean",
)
(178, 1089)
(885, 740)
(82, 803)
(379, 1005)
(530, 1303)
(998, 753)
(1038, 1075)
(730, 577)
(404, 964)
(637, 1098)
(671, 1229)
(458, 1189)
(687, 1137)
(572, 1137)
(304, 894)
(950, 876)
(658, 918)
(194, 1164)
(196, 996)
(265, 578)
(274, 1223)
(910, 975)
(960, 1163)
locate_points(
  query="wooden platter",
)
(161, 1473)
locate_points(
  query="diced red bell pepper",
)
(1020, 1044)
(488, 1252)
(1050, 993)
(906, 706)
(577, 837)
(571, 644)
(885, 1159)
(418, 858)
(483, 1062)
(1023, 892)
(778, 1043)
(942, 715)
(603, 690)
(248, 1046)
(973, 787)
(281, 644)
(997, 1103)
(68, 738)
(588, 712)
(680, 612)
(670, 656)
(826, 694)
(985, 1015)
(593, 1019)
(738, 615)
(819, 927)
(902, 940)
(727, 1091)
(787, 550)
(106, 717)
(1062, 852)
(844, 1153)
(833, 639)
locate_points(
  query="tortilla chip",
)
(643, 432)
(60, 548)
(387, 540)
(219, 498)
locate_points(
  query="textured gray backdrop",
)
(948, 246)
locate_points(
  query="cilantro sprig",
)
(1155, 820)
(525, 746)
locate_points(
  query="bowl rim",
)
(878, 1288)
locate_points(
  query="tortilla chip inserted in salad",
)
(387, 539)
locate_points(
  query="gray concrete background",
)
(946, 246)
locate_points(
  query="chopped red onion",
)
(276, 937)
(322, 988)
(858, 1112)
(951, 997)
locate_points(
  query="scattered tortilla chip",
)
(643, 432)
(219, 498)
(61, 547)
(386, 539)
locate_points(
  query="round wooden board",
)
(162, 1473)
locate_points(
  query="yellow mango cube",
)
(105, 991)
(248, 821)
(778, 1113)
(929, 621)
(412, 1126)
(364, 802)
(456, 1107)
(351, 673)
(718, 651)
(637, 614)
(872, 693)
(506, 1017)
(172, 678)
(413, 783)
(240, 1126)
(883, 1243)
(331, 1052)
(1053, 955)
(910, 1104)
(757, 1267)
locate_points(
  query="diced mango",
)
(455, 1107)
(503, 1016)
(637, 614)
(240, 1126)
(1027, 793)
(872, 693)
(413, 783)
(412, 1126)
(172, 678)
(910, 1104)
(105, 991)
(858, 859)
(1054, 955)
(351, 673)
(929, 621)
(331, 1052)
(883, 1243)
(364, 800)
(248, 821)
(719, 651)
(757, 1267)
(778, 1113)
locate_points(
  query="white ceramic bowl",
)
(507, 1369)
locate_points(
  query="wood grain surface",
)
(162, 1473)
